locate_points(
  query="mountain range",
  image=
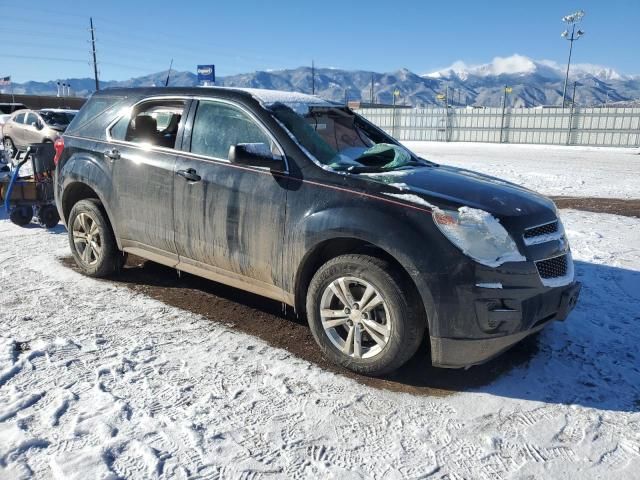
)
(532, 82)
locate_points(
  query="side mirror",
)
(37, 125)
(254, 154)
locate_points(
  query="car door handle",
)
(113, 154)
(190, 174)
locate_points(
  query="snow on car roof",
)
(270, 97)
(299, 102)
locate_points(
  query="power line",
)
(71, 60)
(114, 35)
(21, 7)
(51, 59)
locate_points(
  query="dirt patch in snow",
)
(616, 206)
(280, 328)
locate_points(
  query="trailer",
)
(31, 196)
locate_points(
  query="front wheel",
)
(91, 239)
(364, 315)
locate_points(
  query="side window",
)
(218, 126)
(19, 118)
(119, 129)
(94, 107)
(154, 122)
(31, 119)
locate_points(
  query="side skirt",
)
(209, 272)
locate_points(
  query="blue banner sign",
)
(206, 73)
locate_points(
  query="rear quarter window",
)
(93, 118)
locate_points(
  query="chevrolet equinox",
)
(301, 200)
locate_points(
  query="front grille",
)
(553, 267)
(546, 229)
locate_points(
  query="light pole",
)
(572, 20)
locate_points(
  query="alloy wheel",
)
(87, 239)
(355, 317)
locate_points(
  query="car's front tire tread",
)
(402, 300)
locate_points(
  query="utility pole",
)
(372, 100)
(447, 129)
(504, 106)
(313, 78)
(166, 83)
(571, 114)
(93, 48)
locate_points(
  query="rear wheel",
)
(21, 215)
(91, 239)
(364, 315)
(48, 216)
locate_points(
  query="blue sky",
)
(43, 40)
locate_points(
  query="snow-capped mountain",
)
(521, 66)
(534, 82)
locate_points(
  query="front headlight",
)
(479, 235)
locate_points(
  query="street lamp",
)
(572, 20)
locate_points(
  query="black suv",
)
(303, 201)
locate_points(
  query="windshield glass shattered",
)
(342, 141)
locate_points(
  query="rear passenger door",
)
(31, 133)
(143, 154)
(229, 219)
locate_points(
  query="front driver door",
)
(229, 219)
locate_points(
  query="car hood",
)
(452, 187)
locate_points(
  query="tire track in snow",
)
(135, 388)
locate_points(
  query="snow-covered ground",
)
(99, 382)
(551, 170)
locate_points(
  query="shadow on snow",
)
(592, 359)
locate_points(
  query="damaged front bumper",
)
(465, 352)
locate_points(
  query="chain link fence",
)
(588, 126)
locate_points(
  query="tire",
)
(21, 216)
(48, 216)
(9, 148)
(398, 322)
(88, 221)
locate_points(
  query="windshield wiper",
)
(380, 169)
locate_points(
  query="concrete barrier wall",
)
(44, 101)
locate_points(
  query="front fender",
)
(403, 236)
